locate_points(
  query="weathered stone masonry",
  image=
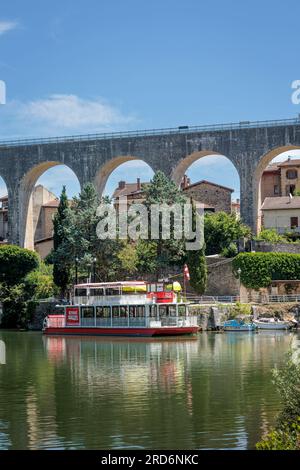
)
(93, 159)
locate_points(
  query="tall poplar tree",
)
(62, 258)
(196, 261)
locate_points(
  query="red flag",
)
(186, 272)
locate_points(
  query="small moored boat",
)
(273, 324)
(238, 325)
(123, 309)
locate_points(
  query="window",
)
(294, 222)
(96, 292)
(112, 291)
(103, 312)
(172, 310)
(136, 311)
(123, 312)
(181, 310)
(87, 312)
(80, 292)
(115, 312)
(291, 174)
(163, 310)
(276, 189)
(152, 311)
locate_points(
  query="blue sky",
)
(95, 65)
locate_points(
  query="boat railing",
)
(132, 322)
(124, 299)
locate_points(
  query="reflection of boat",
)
(123, 309)
(273, 324)
(238, 325)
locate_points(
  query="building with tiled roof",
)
(281, 213)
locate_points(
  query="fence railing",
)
(151, 132)
(212, 299)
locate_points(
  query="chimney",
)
(237, 201)
(138, 184)
(122, 184)
(185, 182)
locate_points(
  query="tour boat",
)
(123, 309)
(238, 325)
(273, 324)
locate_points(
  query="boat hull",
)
(228, 328)
(163, 331)
(273, 326)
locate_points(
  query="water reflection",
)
(210, 391)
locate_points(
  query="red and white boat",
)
(123, 309)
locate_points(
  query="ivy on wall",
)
(259, 269)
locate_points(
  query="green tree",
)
(196, 262)
(62, 232)
(162, 190)
(221, 230)
(16, 263)
(39, 283)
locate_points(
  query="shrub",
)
(259, 269)
(270, 235)
(286, 434)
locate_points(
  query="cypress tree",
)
(62, 264)
(196, 262)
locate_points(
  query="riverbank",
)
(210, 316)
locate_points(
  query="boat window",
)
(152, 311)
(103, 312)
(172, 310)
(137, 311)
(87, 312)
(163, 310)
(120, 312)
(80, 292)
(115, 311)
(112, 291)
(181, 310)
(123, 311)
(58, 310)
(96, 292)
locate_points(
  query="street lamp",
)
(239, 271)
(76, 270)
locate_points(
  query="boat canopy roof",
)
(111, 284)
(127, 286)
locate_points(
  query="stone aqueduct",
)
(249, 146)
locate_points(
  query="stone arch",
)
(107, 168)
(263, 163)
(181, 168)
(26, 187)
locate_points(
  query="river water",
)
(212, 391)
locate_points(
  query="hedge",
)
(259, 269)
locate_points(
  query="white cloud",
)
(72, 112)
(6, 26)
(61, 114)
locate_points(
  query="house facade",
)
(281, 213)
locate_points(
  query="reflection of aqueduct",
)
(249, 146)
